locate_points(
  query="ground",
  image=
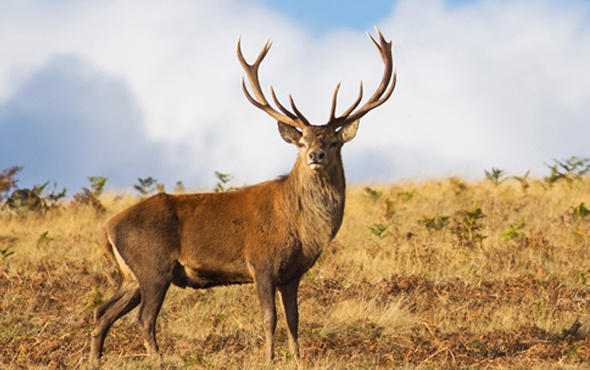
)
(430, 274)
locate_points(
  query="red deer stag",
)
(268, 234)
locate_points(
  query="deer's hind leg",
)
(266, 291)
(154, 280)
(124, 300)
(152, 297)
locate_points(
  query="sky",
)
(130, 89)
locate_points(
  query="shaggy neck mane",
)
(317, 202)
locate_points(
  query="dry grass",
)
(415, 296)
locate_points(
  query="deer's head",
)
(319, 145)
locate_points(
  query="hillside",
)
(435, 273)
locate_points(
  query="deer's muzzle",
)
(316, 159)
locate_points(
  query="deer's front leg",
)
(289, 298)
(266, 290)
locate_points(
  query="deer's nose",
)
(316, 156)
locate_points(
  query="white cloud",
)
(492, 83)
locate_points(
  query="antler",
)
(295, 118)
(378, 98)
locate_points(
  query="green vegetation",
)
(372, 194)
(580, 212)
(495, 176)
(223, 180)
(467, 226)
(23, 200)
(5, 253)
(523, 180)
(148, 186)
(570, 169)
(379, 229)
(8, 180)
(89, 197)
(434, 223)
(43, 240)
(512, 234)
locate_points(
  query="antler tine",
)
(337, 122)
(263, 52)
(334, 99)
(252, 69)
(378, 98)
(356, 102)
(281, 106)
(297, 112)
(295, 120)
(375, 103)
(297, 116)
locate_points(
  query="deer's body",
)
(211, 239)
(268, 234)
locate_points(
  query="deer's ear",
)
(348, 131)
(289, 133)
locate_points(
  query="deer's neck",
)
(317, 203)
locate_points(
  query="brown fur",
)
(268, 234)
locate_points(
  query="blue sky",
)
(324, 16)
(134, 88)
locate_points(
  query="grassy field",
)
(433, 274)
